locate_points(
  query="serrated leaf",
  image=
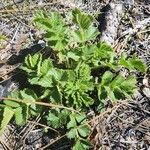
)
(45, 81)
(78, 146)
(7, 116)
(11, 103)
(56, 95)
(53, 120)
(73, 56)
(86, 143)
(45, 94)
(87, 100)
(80, 117)
(133, 63)
(84, 131)
(82, 19)
(28, 94)
(138, 64)
(91, 33)
(107, 78)
(72, 122)
(19, 118)
(46, 66)
(72, 133)
(116, 81)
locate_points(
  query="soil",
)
(124, 24)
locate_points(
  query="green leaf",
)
(28, 94)
(14, 95)
(53, 120)
(19, 116)
(82, 144)
(45, 94)
(133, 63)
(138, 64)
(56, 95)
(78, 146)
(72, 133)
(57, 118)
(82, 19)
(56, 30)
(91, 33)
(45, 81)
(84, 131)
(116, 81)
(107, 78)
(73, 56)
(72, 122)
(7, 116)
(45, 67)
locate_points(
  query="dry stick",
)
(24, 137)
(40, 103)
(5, 145)
(42, 125)
(42, 148)
(10, 70)
(17, 18)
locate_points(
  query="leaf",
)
(86, 143)
(107, 78)
(31, 63)
(84, 130)
(19, 116)
(138, 64)
(56, 95)
(45, 81)
(72, 133)
(57, 118)
(116, 81)
(45, 67)
(78, 146)
(56, 30)
(129, 85)
(103, 52)
(45, 94)
(133, 63)
(124, 62)
(82, 144)
(73, 56)
(72, 122)
(29, 95)
(82, 36)
(53, 120)
(2, 37)
(7, 116)
(91, 33)
(11, 103)
(86, 99)
(82, 19)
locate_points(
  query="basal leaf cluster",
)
(82, 66)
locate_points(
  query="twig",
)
(42, 148)
(42, 125)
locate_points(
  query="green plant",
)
(81, 67)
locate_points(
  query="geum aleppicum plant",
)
(82, 66)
